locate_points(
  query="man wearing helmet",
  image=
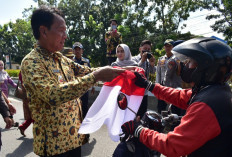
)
(206, 128)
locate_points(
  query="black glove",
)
(132, 128)
(141, 81)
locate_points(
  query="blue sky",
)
(10, 10)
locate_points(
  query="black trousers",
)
(85, 101)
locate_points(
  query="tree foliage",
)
(223, 23)
(16, 39)
(87, 22)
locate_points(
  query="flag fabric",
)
(105, 109)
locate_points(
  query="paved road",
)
(15, 145)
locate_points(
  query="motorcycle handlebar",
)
(171, 118)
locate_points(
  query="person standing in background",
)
(26, 110)
(167, 73)
(124, 57)
(146, 61)
(78, 50)
(68, 52)
(5, 112)
(5, 79)
(112, 38)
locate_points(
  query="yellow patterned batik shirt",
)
(54, 84)
(112, 43)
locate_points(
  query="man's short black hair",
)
(114, 21)
(43, 16)
(145, 42)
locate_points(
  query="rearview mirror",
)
(123, 103)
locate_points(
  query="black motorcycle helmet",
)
(210, 55)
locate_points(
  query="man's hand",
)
(129, 127)
(132, 127)
(9, 122)
(12, 109)
(142, 82)
(152, 61)
(107, 73)
(144, 57)
(114, 34)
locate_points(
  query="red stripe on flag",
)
(126, 81)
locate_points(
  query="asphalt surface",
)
(15, 145)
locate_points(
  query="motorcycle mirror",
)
(123, 103)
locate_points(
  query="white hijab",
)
(127, 59)
(3, 73)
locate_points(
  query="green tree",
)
(87, 22)
(223, 23)
(7, 40)
(16, 39)
(21, 30)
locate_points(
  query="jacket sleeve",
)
(11, 82)
(194, 131)
(177, 97)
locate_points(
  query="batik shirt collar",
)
(47, 54)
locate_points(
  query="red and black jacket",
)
(206, 128)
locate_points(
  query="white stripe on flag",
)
(105, 110)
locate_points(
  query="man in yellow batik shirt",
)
(54, 84)
(112, 38)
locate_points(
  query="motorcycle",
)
(163, 123)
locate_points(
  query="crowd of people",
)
(56, 81)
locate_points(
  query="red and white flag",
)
(105, 109)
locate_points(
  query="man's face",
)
(145, 47)
(113, 23)
(168, 48)
(78, 52)
(56, 35)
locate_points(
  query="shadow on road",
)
(23, 149)
(88, 147)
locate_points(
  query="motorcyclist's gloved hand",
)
(131, 128)
(142, 82)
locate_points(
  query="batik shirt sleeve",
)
(47, 82)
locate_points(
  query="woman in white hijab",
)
(5, 79)
(123, 56)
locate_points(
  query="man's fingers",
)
(119, 71)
